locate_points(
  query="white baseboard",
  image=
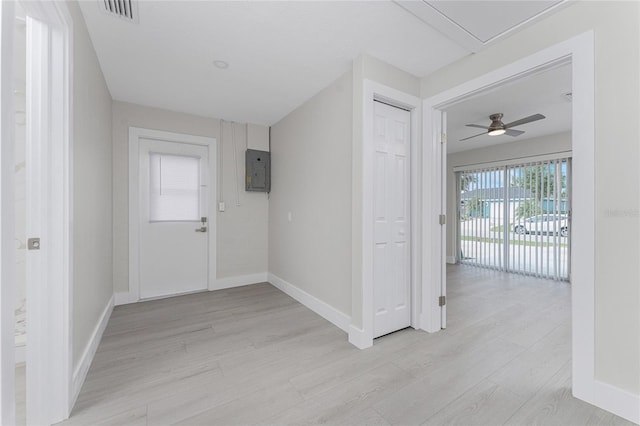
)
(321, 308)
(81, 370)
(124, 297)
(358, 339)
(238, 281)
(617, 401)
(451, 260)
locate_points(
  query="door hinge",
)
(442, 219)
(442, 300)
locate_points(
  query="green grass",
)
(512, 242)
(498, 228)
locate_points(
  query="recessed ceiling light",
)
(221, 64)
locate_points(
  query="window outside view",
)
(517, 218)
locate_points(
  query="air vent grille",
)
(125, 9)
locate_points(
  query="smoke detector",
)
(124, 9)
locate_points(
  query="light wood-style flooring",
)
(253, 355)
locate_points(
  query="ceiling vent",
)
(124, 9)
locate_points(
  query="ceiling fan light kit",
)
(496, 132)
(498, 128)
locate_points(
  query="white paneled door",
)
(392, 279)
(174, 229)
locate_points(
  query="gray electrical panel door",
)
(258, 168)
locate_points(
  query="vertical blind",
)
(516, 218)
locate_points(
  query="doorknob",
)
(201, 229)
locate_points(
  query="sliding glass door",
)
(516, 218)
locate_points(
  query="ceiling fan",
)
(497, 127)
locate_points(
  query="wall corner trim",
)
(81, 370)
(358, 338)
(326, 311)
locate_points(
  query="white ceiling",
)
(485, 20)
(541, 93)
(279, 53)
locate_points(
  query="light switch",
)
(221, 206)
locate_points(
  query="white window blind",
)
(516, 218)
(174, 188)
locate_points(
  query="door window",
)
(174, 188)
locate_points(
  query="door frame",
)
(579, 51)
(135, 134)
(49, 292)
(374, 91)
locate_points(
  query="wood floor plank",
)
(484, 404)
(348, 402)
(527, 374)
(253, 355)
(554, 404)
(264, 403)
(423, 398)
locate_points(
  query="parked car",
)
(543, 224)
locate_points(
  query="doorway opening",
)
(578, 52)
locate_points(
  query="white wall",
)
(526, 148)
(241, 230)
(311, 178)
(317, 166)
(92, 226)
(617, 235)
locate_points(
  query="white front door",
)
(392, 279)
(173, 225)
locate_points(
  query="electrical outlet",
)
(221, 206)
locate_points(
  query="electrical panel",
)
(258, 169)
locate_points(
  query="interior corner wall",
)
(559, 142)
(366, 67)
(92, 224)
(241, 228)
(311, 182)
(616, 27)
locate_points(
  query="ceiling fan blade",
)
(529, 119)
(513, 132)
(474, 136)
(476, 125)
